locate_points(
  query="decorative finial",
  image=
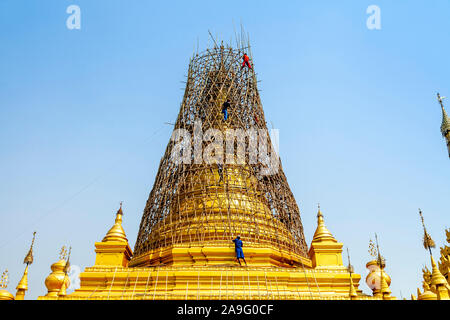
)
(428, 242)
(67, 266)
(445, 125)
(63, 253)
(440, 99)
(381, 261)
(4, 280)
(372, 249)
(116, 233)
(322, 233)
(350, 267)
(29, 257)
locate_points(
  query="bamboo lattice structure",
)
(198, 203)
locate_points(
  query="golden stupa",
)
(199, 203)
(184, 248)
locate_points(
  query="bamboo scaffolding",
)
(178, 211)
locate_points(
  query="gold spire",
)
(116, 233)
(374, 249)
(438, 281)
(436, 276)
(29, 257)
(23, 283)
(385, 287)
(22, 286)
(62, 292)
(428, 242)
(352, 292)
(322, 233)
(445, 126)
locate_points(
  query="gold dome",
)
(55, 280)
(116, 233)
(5, 295)
(373, 279)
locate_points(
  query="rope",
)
(156, 284)
(278, 290)
(257, 283)
(306, 277)
(267, 288)
(135, 282)
(220, 286)
(114, 276)
(314, 275)
(198, 285)
(93, 292)
(146, 285)
(125, 286)
(167, 276)
(249, 286)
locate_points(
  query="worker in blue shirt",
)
(238, 248)
(225, 107)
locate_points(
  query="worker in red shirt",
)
(246, 61)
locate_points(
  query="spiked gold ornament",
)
(372, 249)
(4, 279)
(63, 253)
(67, 266)
(428, 242)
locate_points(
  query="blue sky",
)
(82, 117)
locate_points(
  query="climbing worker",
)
(220, 171)
(225, 107)
(246, 61)
(238, 248)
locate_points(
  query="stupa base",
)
(226, 282)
